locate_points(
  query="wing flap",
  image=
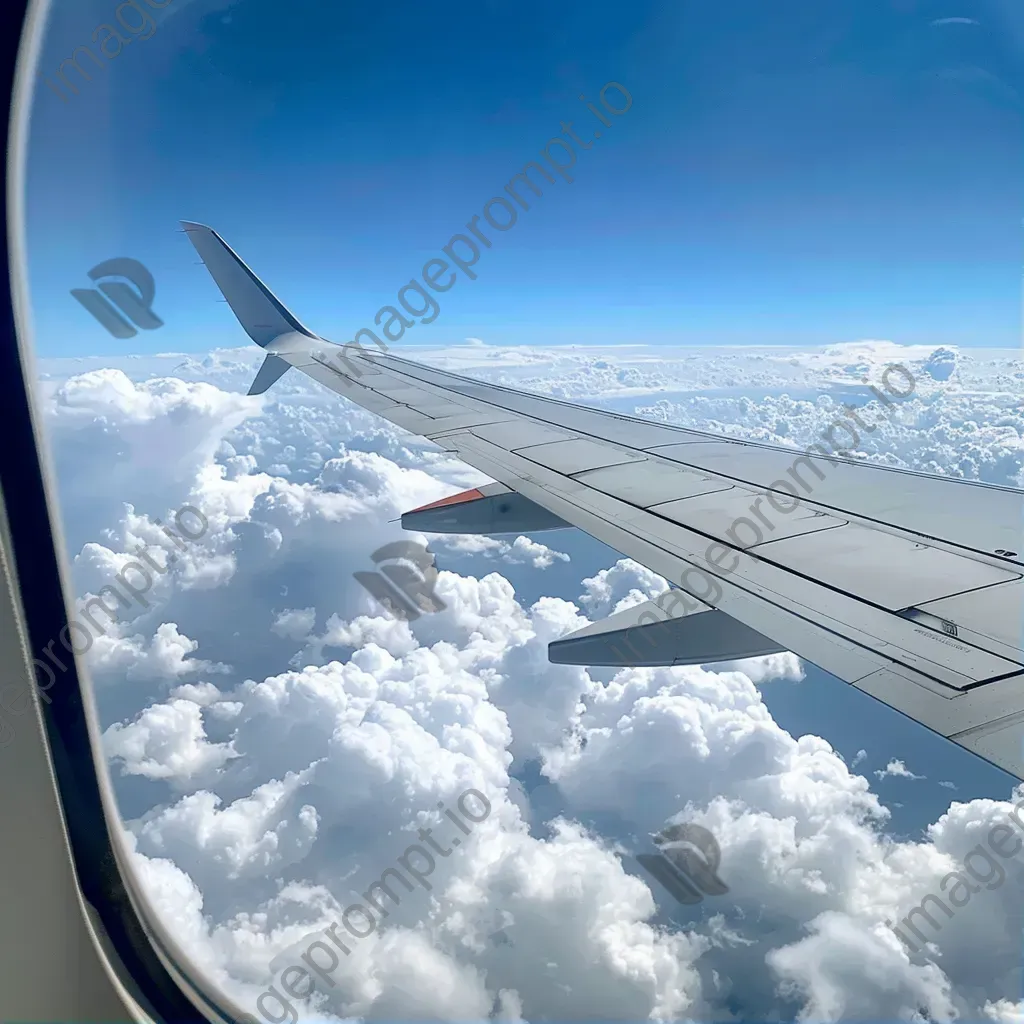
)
(650, 482)
(851, 559)
(737, 515)
(578, 454)
(524, 433)
(994, 613)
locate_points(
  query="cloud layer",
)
(277, 741)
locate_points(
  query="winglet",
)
(272, 370)
(258, 310)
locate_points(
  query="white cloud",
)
(625, 584)
(295, 623)
(1003, 1011)
(167, 741)
(293, 740)
(522, 551)
(843, 970)
(898, 770)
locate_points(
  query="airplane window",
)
(541, 487)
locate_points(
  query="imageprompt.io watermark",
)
(1005, 842)
(139, 26)
(135, 580)
(464, 248)
(318, 963)
(404, 586)
(120, 303)
(781, 496)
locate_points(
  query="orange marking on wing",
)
(455, 499)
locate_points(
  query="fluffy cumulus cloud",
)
(279, 743)
(522, 551)
(942, 363)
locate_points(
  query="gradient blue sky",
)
(792, 172)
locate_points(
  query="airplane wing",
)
(905, 585)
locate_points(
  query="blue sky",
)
(786, 174)
(794, 173)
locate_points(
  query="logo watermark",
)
(134, 304)
(686, 863)
(404, 587)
